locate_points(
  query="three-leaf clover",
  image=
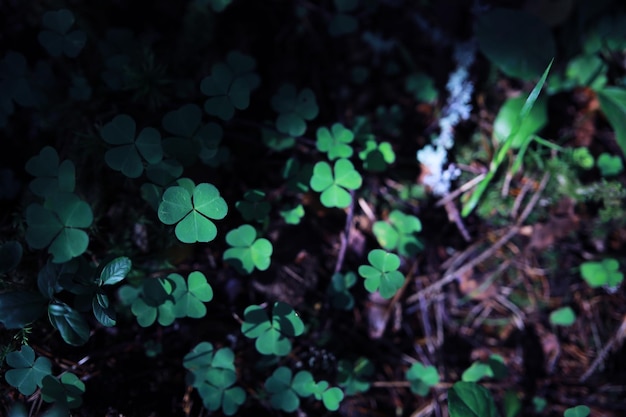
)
(286, 389)
(59, 223)
(190, 296)
(609, 165)
(52, 176)
(191, 211)
(125, 156)
(57, 38)
(377, 156)
(352, 376)
(272, 334)
(338, 290)
(563, 316)
(335, 142)
(398, 233)
(27, 373)
(191, 139)
(602, 274)
(422, 378)
(67, 389)
(292, 215)
(229, 85)
(334, 183)
(294, 109)
(212, 373)
(253, 207)
(382, 275)
(494, 367)
(152, 301)
(247, 252)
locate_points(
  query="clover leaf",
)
(52, 176)
(253, 207)
(398, 233)
(333, 184)
(382, 275)
(352, 376)
(564, 316)
(57, 37)
(422, 378)
(125, 157)
(67, 389)
(229, 85)
(377, 156)
(153, 300)
(338, 290)
(292, 215)
(294, 109)
(272, 334)
(27, 372)
(190, 296)
(602, 274)
(277, 141)
(578, 411)
(247, 252)
(59, 224)
(191, 211)
(282, 395)
(335, 142)
(609, 165)
(297, 176)
(191, 139)
(212, 373)
(421, 86)
(342, 23)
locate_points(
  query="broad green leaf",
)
(103, 310)
(519, 43)
(115, 271)
(578, 411)
(468, 399)
(27, 372)
(508, 119)
(69, 322)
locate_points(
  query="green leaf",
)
(508, 117)
(272, 334)
(282, 397)
(476, 372)
(564, 316)
(27, 372)
(247, 252)
(193, 211)
(335, 142)
(512, 404)
(468, 399)
(67, 389)
(382, 274)
(519, 43)
(377, 156)
(333, 184)
(58, 225)
(331, 398)
(609, 165)
(51, 175)
(338, 290)
(253, 207)
(602, 274)
(578, 411)
(115, 271)
(422, 378)
(190, 296)
(19, 308)
(292, 215)
(398, 233)
(353, 376)
(69, 322)
(58, 40)
(126, 157)
(10, 255)
(294, 109)
(103, 310)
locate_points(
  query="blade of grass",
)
(474, 198)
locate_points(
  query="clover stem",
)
(346, 234)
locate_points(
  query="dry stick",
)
(618, 337)
(346, 234)
(451, 276)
